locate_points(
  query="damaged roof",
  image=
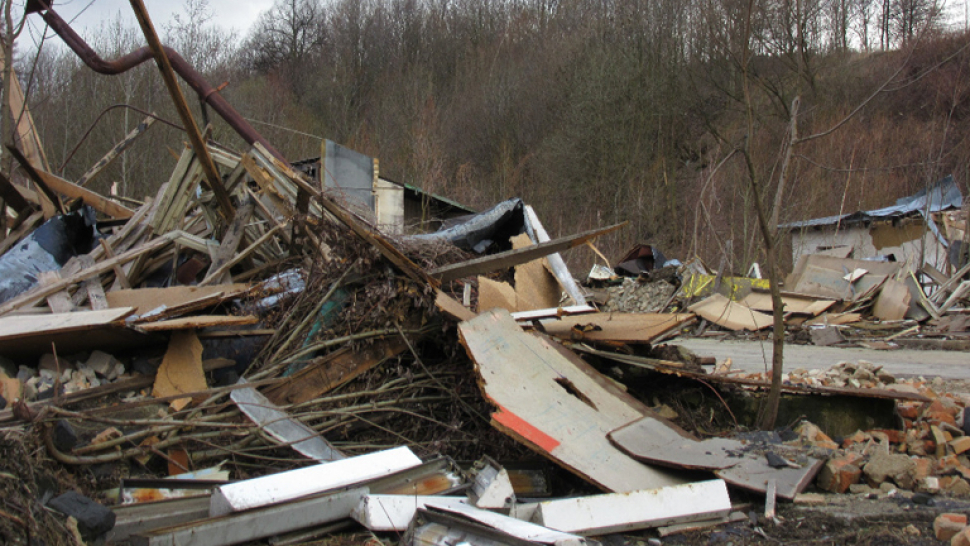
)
(942, 195)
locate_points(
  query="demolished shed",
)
(908, 232)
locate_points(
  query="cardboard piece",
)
(893, 301)
(495, 295)
(799, 305)
(624, 327)
(734, 316)
(181, 369)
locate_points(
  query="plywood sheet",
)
(555, 404)
(731, 460)
(625, 327)
(181, 369)
(495, 295)
(649, 441)
(893, 301)
(734, 316)
(759, 301)
(147, 299)
(32, 335)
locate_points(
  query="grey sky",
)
(229, 14)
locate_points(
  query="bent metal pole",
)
(210, 95)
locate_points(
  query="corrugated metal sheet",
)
(943, 195)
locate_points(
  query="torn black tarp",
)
(479, 231)
(48, 248)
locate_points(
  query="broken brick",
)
(838, 474)
(946, 526)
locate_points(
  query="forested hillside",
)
(665, 113)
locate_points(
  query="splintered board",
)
(553, 402)
(147, 299)
(623, 327)
(32, 335)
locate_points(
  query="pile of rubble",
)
(246, 355)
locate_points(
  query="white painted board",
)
(395, 512)
(293, 484)
(519, 529)
(613, 512)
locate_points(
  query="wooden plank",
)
(21, 231)
(29, 336)
(614, 513)
(132, 519)
(256, 524)
(13, 198)
(196, 322)
(385, 513)
(625, 327)
(145, 300)
(230, 241)
(92, 199)
(279, 425)
(34, 175)
(310, 480)
(12, 328)
(324, 374)
(115, 151)
(555, 262)
(555, 403)
(181, 370)
(892, 303)
(59, 302)
(188, 122)
(214, 276)
(726, 313)
(452, 307)
(26, 131)
(42, 292)
(511, 258)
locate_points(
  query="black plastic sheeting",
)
(48, 248)
(479, 232)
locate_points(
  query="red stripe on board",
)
(523, 428)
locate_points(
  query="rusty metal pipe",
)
(206, 92)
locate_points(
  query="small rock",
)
(882, 466)
(101, 363)
(93, 519)
(911, 530)
(923, 499)
(860, 489)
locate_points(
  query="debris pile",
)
(246, 355)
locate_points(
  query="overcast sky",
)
(86, 16)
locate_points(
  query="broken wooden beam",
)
(510, 258)
(115, 151)
(92, 199)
